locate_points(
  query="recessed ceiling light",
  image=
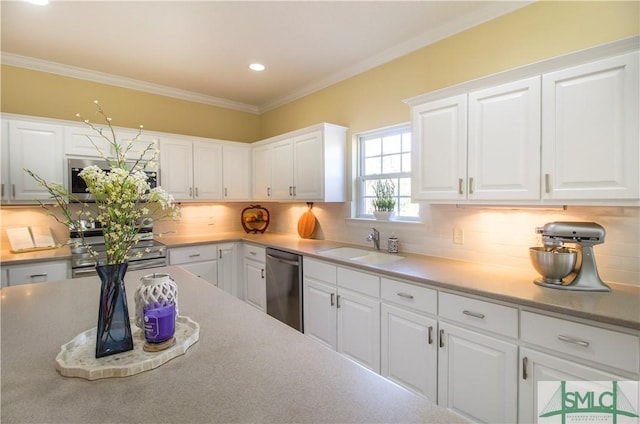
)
(256, 67)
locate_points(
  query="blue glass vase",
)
(114, 330)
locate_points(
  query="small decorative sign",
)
(255, 219)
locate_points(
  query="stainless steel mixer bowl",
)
(553, 264)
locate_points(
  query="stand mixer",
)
(584, 234)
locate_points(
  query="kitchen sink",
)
(362, 255)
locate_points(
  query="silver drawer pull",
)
(572, 340)
(253, 253)
(473, 314)
(430, 340)
(195, 255)
(38, 275)
(405, 295)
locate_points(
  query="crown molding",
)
(110, 79)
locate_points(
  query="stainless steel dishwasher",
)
(284, 287)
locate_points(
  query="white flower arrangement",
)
(123, 196)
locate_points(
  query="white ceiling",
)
(200, 50)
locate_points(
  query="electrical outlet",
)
(458, 236)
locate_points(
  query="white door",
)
(477, 375)
(236, 172)
(504, 142)
(409, 353)
(307, 166)
(282, 170)
(439, 149)
(176, 168)
(262, 173)
(590, 131)
(359, 328)
(207, 171)
(37, 147)
(255, 286)
(319, 309)
(227, 268)
(536, 366)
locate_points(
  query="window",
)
(385, 155)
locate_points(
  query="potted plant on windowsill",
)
(385, 203)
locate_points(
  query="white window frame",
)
(360, 205)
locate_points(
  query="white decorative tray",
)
(77, 358)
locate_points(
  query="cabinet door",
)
(37, 273)
(37, 147)
(409, 354)
(504, 142)
(319, 309)
(439, 149)
(255, 286)
(536, 366)
(207, 171)
(83, 141)
(227, 274)
(359, 328)
(308, 166)
(590, 131)
(282, 170)
(236, 172)
(477, 375)
(262, 173)
(137, 145)
(176, 168)
(207, 270)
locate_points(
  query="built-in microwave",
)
(78, 187)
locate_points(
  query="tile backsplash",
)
(495, 236)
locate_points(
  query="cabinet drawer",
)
(412, 296)
(600, 345)
(318, 270)
(480, 314)
(189, 254)
(359, 281)
(37, 272)
(254, 252)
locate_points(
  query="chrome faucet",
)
(374, 236)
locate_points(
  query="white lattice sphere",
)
(153, 288)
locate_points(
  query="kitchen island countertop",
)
(246, 367)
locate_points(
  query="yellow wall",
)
(28, 92)
(367, 101)
(540, 31)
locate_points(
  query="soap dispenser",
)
(392, 244)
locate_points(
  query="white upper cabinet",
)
(39, 148)
(207, 171)
(590, 131)
(439, 149)
(236, 172)
(504, 142)
(304, 165)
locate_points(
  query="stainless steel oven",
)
(78, 187)
(151, 253)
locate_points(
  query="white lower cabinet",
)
(342, 311)
(13, 275)
(200, 260)
(227, 269)
(255, 287)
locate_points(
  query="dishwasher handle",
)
(284, 261)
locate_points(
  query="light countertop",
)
(246, 367)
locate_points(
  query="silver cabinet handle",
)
(38, 275)
(430, 334)
(268, 191)
(219, 254)
(473, 314)
(2, 191)
(524, 368)
(405, 295)
(262, 273)
(195, 255)
(190, 191)
(547, 183)
(572, 340)
(253, 253)
(470, 185)
(441, 338)
(294, 191)
(337, 301)
(290, 190)
(225, 192)
(196, 191)
(460, 186)
(13, 190)
(332, 301)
